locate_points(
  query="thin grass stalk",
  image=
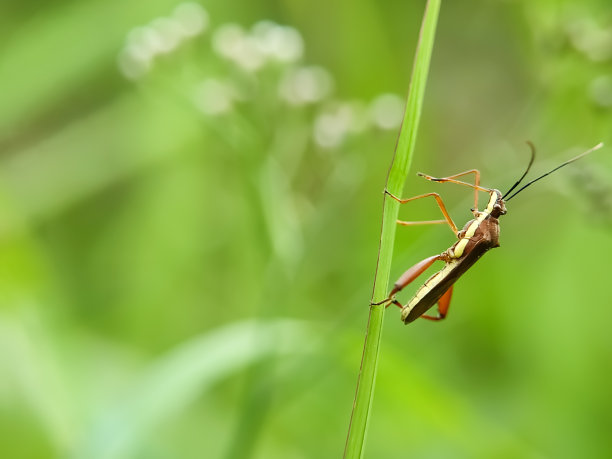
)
(400, 165)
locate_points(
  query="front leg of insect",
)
(447, 219)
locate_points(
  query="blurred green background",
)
(190, 200)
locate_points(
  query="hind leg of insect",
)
(406, 278)
(443, 304)
(436, 196)
(452, 179)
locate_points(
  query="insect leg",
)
(405, 279)
(443, 304)
(451, 179)
(412, 273)
(424, 222)
(438, 199)
(476, 173)
(389, 302)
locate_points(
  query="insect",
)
(478, 236)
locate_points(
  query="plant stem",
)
(396, 177)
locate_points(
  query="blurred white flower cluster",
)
(265, 42)
(160, 36)
(250, 52)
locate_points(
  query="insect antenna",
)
(532, 147)
(596, 147)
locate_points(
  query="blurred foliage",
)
(191, 198)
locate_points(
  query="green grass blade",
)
(398, 172)
(175, 380)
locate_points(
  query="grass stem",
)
(396, 177)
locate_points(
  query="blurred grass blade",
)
(180, 377)
(398, 172)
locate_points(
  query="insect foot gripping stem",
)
(388, 300)
(406, 279)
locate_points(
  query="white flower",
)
(387, 111)
(232, 42)
(192, 17)
(280, 43)
(305, 85)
